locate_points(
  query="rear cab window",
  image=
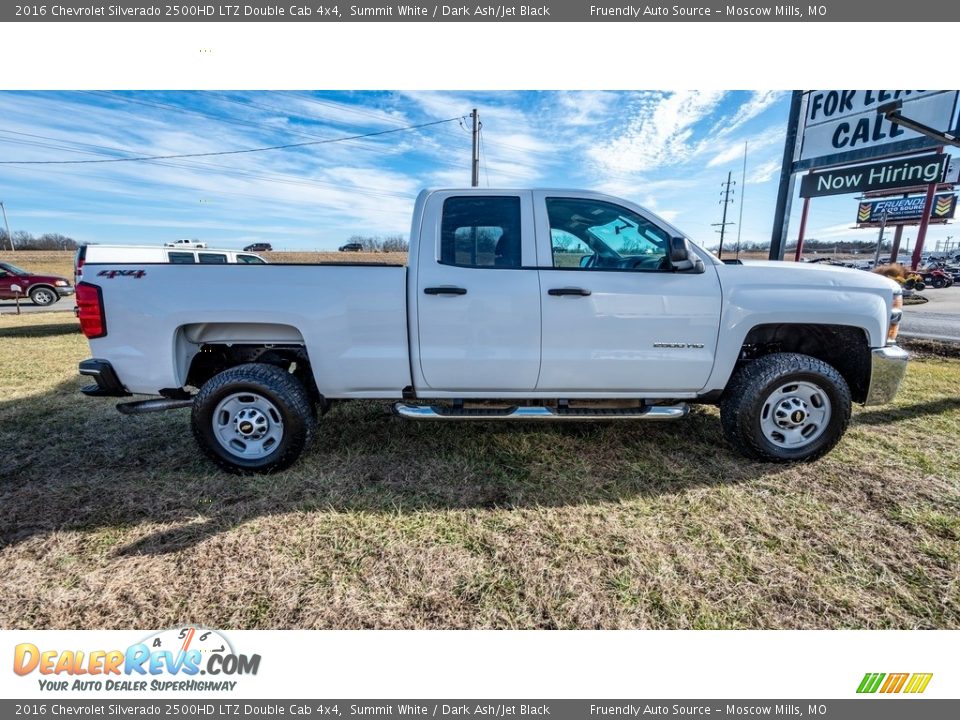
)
(181, 258)
(249, 260)
(481, 232)
(212, 258)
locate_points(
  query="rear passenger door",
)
(478, 293)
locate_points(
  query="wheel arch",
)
(203, 350)
(844, 347)
(44, 286)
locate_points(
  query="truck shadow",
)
(40, 331)
(73, 464)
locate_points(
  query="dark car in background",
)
(259, 247)
(351, 247)
(41, 289)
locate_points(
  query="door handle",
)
(444, 291)
(576, 292)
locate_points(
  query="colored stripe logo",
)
(913, 683)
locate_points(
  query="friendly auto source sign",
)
(891, 174)
(845, 126)
(906, 210)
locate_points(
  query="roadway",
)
(937, 319)
(9, 307)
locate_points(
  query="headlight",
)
(62, 283)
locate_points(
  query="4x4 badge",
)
(111, 274)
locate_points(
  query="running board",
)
(442, 412)
(154, 405)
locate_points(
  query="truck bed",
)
(351, 318)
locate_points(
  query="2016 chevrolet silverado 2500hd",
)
(515, 304)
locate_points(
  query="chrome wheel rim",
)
(795, 415)
(248, 425)
(44, 297)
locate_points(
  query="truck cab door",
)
(475, 292)
(616, 317)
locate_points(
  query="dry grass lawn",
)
(117, 522)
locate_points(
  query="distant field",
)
(61, 263)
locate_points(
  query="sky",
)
(669, 151)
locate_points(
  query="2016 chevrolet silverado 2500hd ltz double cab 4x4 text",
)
(515, 304)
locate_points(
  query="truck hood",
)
(803, 275)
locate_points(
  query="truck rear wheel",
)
(253, 418)
(785, 407)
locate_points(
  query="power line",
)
(483, 154)
(200, 166)
(220, 153)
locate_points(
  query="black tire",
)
(938, 283)
(43, 296)
(282, 391)
(750, 390)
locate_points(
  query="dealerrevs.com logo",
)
(179, 659)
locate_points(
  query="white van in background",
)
(146, 254)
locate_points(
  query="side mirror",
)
(679, 252)
(682, 258)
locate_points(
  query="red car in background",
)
(41, 289)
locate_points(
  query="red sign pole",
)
(924, 222)
(803, 229)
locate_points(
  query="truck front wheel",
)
(785, 407)
(253, 418)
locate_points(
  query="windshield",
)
(13, 269)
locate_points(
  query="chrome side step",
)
(154, 405)
(441, 412)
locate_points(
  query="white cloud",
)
(732, 150)
(764, 172)
(659, 133)
(759, 101)
(587, 107)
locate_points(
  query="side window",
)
(249, 260)
(597, 235)
(181, 258)
(212, 258)
(481, 232)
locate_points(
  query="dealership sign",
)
(906, 210)
(905, 172)
(842, 126)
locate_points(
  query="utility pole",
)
(883, 226)
(725, 202)
(475, 159)
(9, 236)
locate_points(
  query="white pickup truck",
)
(551, 305)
